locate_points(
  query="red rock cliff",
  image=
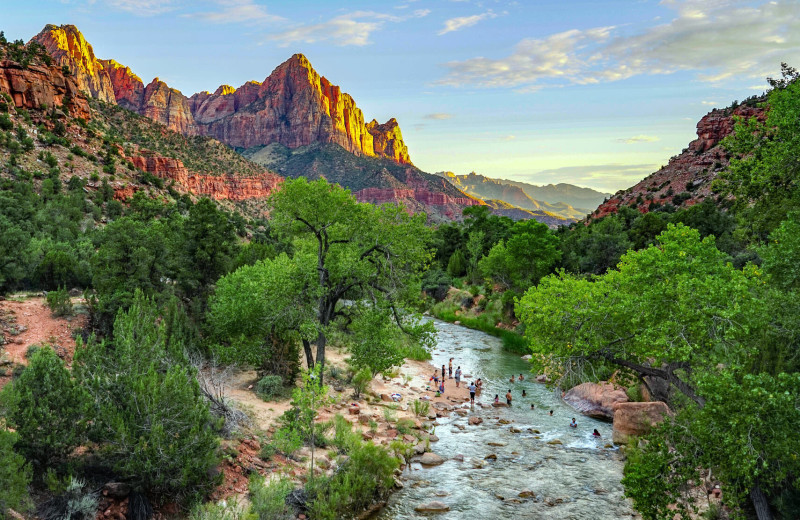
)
(218, 187)
(689, 174)
(68, 47)
(37, 85)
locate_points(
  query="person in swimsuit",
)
(508, 397)
(520, 377)
(511, 380)
(458, 377)
(479, 385)
(443, 372)
(496, 398)
(471, 393)
(573, 424)
(523, 393)
(595, 433)
(551, 412)
(532, 407)
(450, 368)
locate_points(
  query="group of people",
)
(476, 386)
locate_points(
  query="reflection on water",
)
(571, 474)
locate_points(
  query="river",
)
(577, 479)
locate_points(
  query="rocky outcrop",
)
(596, 399)
(686, 179)
(37, 86)
(635, 419)
(128, 87)
(388, 142)
(68, 47)
(169, 107)
(218, 187)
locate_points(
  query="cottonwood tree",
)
(352, 262)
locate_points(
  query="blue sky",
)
(597, 93)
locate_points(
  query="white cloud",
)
(238, 11)
(717, 39)
(438, 116)
(347, 29)
(454, 24)
(143, 7)
(710, 103)
(638, 139)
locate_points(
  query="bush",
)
(15, 474)
(270, 387)
(421, 408)
(344, 439)
(405, 426)
(224, 510)
(47, 408)
(268, 500)
(415, 351)
(361, 381)
(366, 475)
(59, 302)
(76, 503)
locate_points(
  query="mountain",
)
(520, 194)
(293, 106)
(686, 179)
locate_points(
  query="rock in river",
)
(432, 507)
(431, 459)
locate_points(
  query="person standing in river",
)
(443, 373)
(508, 397)
(458, 377)
(450, 368)
(471, 392)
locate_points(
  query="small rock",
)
(459, 458)
(514, 430)
(503, 421)
(354, 410)
(474, 420)
(432, 507)
(554, 442)
(498, 444)
(526, 493)
(490, 456)
(398, 484)
(116, 489)
(431, 459)
(433, 438)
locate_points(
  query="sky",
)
(597, 93)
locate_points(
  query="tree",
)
(370, 256)
(457, 265)
(47, 409)
(298, 422)
(373, 343)
(668, 312)
(150, 417)
(522, 260)
(475, 252)
(15, 474)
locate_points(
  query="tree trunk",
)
(760, 503)
(309, 354)
(321, 341)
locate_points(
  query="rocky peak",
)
(68, 47)
(128, 87)
(388, 140)
(224, 90)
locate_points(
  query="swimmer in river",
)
(520, 377)
(532, 407)
(551, 412)
(508, 397)
(511, 380)
(496, 398)
(573, 424)
(523, 393)
(595, 433)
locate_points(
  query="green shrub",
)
(270, 387)
(229, 509)
(367, 474)
(47, 408)
(415, 351)
(15, 474)
(361, 381)
(344, 438)
(634, 393)
(59, 302)
(268, 500)
(267, 451)
(421, 408)
(31, 351)
(405, 426)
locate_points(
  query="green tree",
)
(371, 256)
(457, 265)
(150, 417)
(15, 474)
(47, 409)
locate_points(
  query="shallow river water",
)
(577, 479)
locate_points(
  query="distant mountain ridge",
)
(563, 200)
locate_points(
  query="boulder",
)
(430, 459)
(542, 378)
(526, 357)
(596, 399)
(635, 419)
(499, 405)
(116, 489)
(526, 493)
(354, 410)
(475, 420)
(432, 507)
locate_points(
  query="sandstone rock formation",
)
(294, 106)
(68, 47)
(218, 187)
(38, 85)
(596, 399)
(634, 419)
(686, 179)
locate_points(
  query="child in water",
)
(496, 398)
(595, 433)
(573, 424)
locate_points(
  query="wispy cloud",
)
(710, 103)
(461, 22)
(143, 7)
(638, 139)
(717, 39)
(238, 11)
(438, 116)
(606, 177)
(348, 29)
